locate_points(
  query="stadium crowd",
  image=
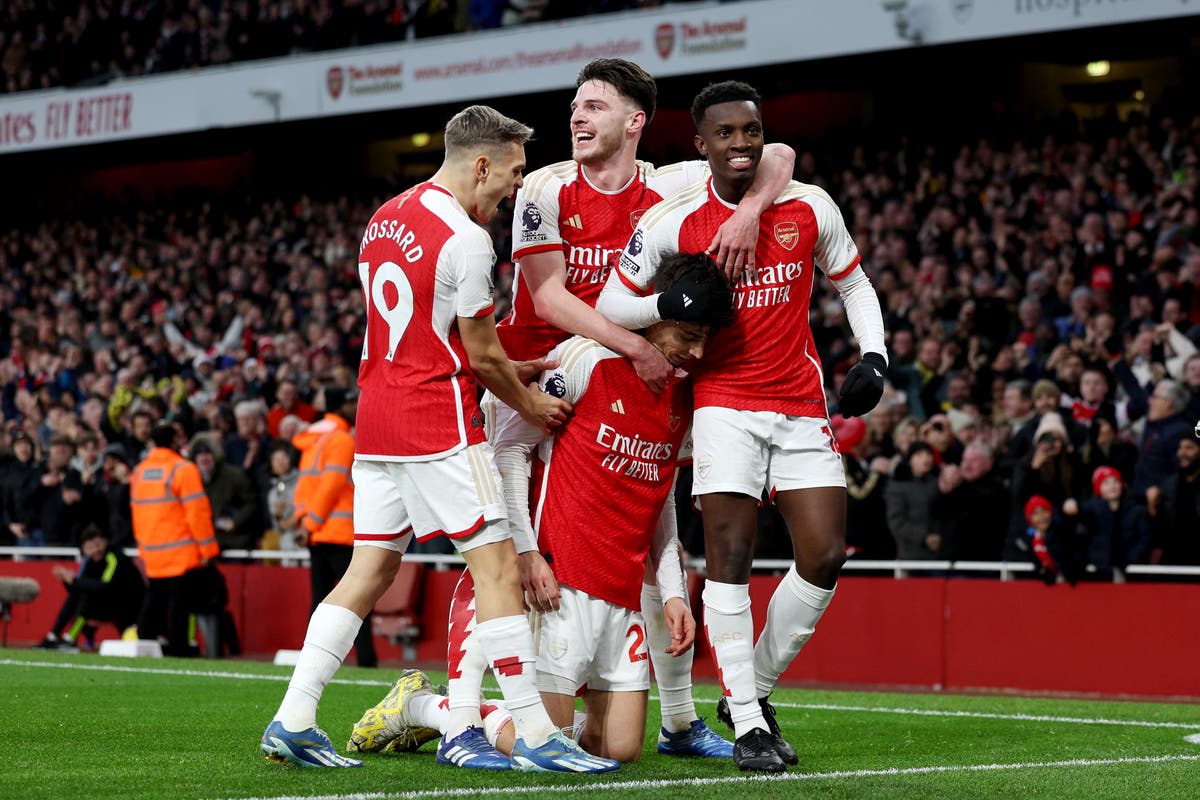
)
(87, 42)
(1041, 295)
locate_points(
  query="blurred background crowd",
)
(1040, 281)
(48, 43)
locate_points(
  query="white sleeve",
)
(621, 305)
(835, 252)
(668, 180)
(863, 311)
(628, 298)
(513, 439)
(470, 260)
(535, 215)
(664, 553)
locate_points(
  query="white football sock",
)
(465, 659)
(331, 632)
(508, 645)
(792, 617)
(426, 711)
(672, 674)
(730, 631)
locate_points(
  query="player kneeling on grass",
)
(583, 571)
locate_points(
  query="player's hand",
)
(695, 297)
(539, 588)
(530, 370)
(547, 412)
(681, 624)
(863, 386)
(733, 245)
(652, 367)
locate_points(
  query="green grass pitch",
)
(76, 727)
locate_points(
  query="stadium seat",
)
(396, 614)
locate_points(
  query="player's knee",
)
(627, 752)
(822, 569)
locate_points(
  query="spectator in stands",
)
(114, 486)
(1116, 531)
(1050, 546)
(1105, 447)
(288, 403)
(88, 460)
(280, 496)
(867, 535)
(20, 478)
(909, 501)
(1165, 426)
(1175, 510)
(248, 447)
(231, 495)
(1190, 379)
(970, 511)
(59, 497)
(107, 587)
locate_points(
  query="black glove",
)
(863, 386)
(693, 298)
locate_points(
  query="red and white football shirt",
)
(423, 263)
(557, 208)
(766, 360)
(600, 484)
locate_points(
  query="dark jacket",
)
(973, 519)
(909, 512)
(113, 583)
(1177, 525)
(866, 516)
(1113, 538)
(1156, 461)
(232, 493)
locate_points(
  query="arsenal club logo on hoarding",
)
(664, 39)
(787, 234)
(335, 79)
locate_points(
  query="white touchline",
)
(195, 673)
(922, 712)
(697, 782)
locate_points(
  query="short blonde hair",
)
(478, 128)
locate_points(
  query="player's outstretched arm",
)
(544, 274)
(862, 387)
(733, 245)
(493, 369)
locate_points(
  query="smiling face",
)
(601, 123)
(731, 138)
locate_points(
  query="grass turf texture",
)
(189, 729)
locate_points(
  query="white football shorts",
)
(747, 451)
(457, 496)
(591, 642)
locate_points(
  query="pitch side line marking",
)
(743, 779)
(923, 712)
(195, 673)
(930, 712)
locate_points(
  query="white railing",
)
(1004, 570)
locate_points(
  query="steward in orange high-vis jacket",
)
(324, 502)
(173, 525)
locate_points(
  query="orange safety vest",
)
(324, 498)
(172, 519)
